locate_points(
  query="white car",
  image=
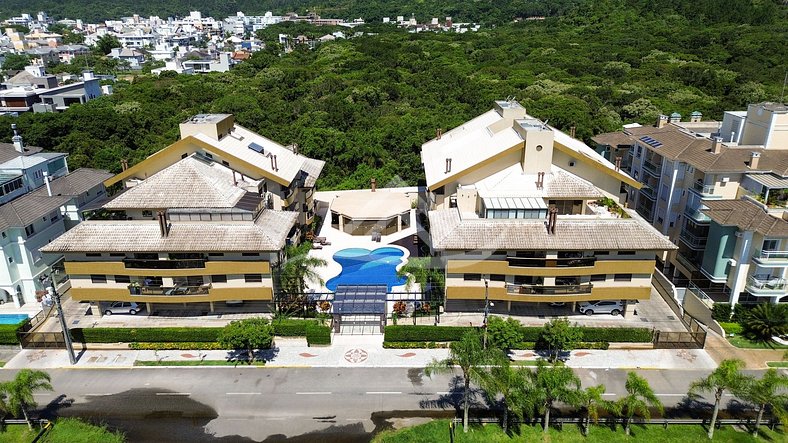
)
(613, 307)
(122, 307)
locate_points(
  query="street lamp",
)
(66, 333)
(487, 305)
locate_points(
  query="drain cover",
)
(670, 317)
(644, 319)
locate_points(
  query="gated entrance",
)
(360, 309)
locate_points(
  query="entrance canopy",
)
(360, 299)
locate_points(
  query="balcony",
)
(170, 290)
(703, 189)
(541, 262)
(651, 168)
(648, 192)
(692, 240)
(771, 258)
(764, 284)
(134, 263)
(549, 290)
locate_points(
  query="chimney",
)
(539, 180)
(618, 163)
(124, 164)
(675, 117)
(448, 165)
(555, 220)
(754, 159)
(17, 140)
(373, 184)
(49, 188)
(276, 164)
(695, 117)
(716, 145)
(163, 228)
(235, 180)
(438, 134)
(662, 120)
(572, 130)
(295, 148)
(551, 219)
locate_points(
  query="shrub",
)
(318, 334)
(620, 335)
(528, 345)
(414, 345)
(504, 334)
(248, 334)
(741, 312)
(765, 321)
(721, 312)
(291, 328)
(149, 335)
(395, 333)
(183, 345)
(731, 328)
(8, 334)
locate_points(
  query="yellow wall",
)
(98, 294)
(502, 267)
(500, 294)
(211, 268)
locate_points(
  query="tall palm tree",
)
(727, 377)
(640, 397)
(298, 269)
(551, 384)
(766, 391)
(591, 401)
(470, 356)
(504, 380)
(20, 391)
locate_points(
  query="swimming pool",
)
(12, 319)
(364, 267)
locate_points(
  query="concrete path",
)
(720, 349)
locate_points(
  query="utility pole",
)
(486, 311)
(66, 333)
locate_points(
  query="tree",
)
(638, 401)
(15, 62)
(504, 334)
(557, 335)
(299, 268)
(590, 399)
(548, 385)
(727, 377)
(20, 391)
(248, 334)
(766, 321)
(468, 354)
(504, 380)
(766, 392)
(106, 43)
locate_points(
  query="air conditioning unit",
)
(572, 163)
(739, 234)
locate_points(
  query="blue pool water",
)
(364, 267)
(12, 319)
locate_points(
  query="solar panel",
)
(650, 141)
(256, 148)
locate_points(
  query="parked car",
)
(613, 307)
(122, 307)
(557, 304)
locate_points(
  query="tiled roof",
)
(75, 183)
(8, 152)
(746, 215)
(564, 185)
(313, 168)
(28, 208)
(267, 233)
(450, 231)
(612, 139)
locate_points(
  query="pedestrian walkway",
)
(720, 349)
(352, 352)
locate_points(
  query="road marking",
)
(443, 393)
(173, 393)
(383, 392)
(244, 393)
(96, 395)
(672, 395)
(313, 393)
(42, 394)
(609, 394)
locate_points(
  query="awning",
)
(360, 299)
(514, 203)
(770, 181)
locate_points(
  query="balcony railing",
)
(772, 255)
(652, 168)
(537, 262)
(703, 189)
(648, 192)
(549, 290)
(135, 263)
(170, 290)
(692, 240)
(758, 284)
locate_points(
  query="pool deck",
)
(340, 240)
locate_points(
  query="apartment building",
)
(685, 173)
(533, 214)
(195, 226)
(34, 90)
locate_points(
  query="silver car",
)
(613, 307)
(122, 307)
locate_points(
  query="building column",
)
(210, 303)
(148, 307)
(740, 271)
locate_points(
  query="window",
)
(453, 201)
(98, 278)
(497, 277)
(639, 151)
(4, 236)
(219, 279)
(771, 245)
(215, 254)
(208, 154)
(122, 279)
(30, 230)
(660, 220)
(10, 259)
(184, 155)
(626, 252)
(471, 277)
(664, 194)
(636, 175)
(499, 252)
(598, 277)
(598, 253)
(226, 163)
(153, 281)
(147, 213)
(622, 277)
(253, 278)
(251, 254)
(92, 254)
(117, 254)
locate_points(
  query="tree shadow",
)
(241, 356)
(454, 397)
(51, 410)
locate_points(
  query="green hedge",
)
(150, 335)
(8, 333)
(395, 333)
(183, 345)
(427, 333)
(318, 334)
(291, 328)
(414, 345)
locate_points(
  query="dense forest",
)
(367, 104)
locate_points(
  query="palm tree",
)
(591, 401)
(727, 377)
(640, 397)
(766, 321)
(766, 391)
(297, 270)
(470, 356)
(551, 384)
(504, 380)
(20, 391)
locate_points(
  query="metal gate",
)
(360, 324)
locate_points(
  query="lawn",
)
(742, 342)
(195, 363)
(67, 430)
(438, 430)
(777, 364)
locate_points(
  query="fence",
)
(694, 338)
(42, 340)
(771, 423)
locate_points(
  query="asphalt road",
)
(280, 404)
